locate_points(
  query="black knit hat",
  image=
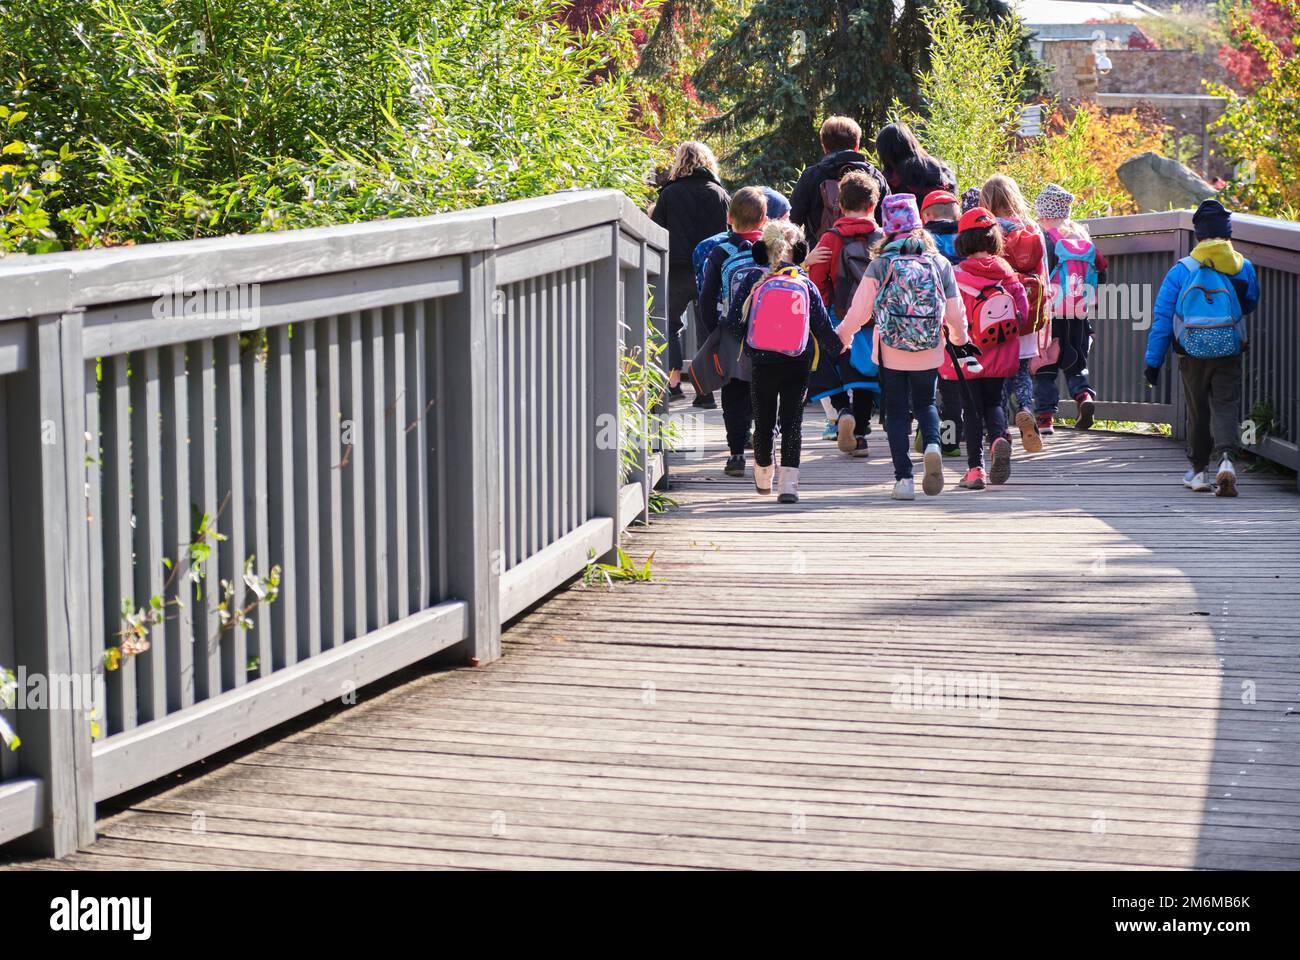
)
(1211, 221)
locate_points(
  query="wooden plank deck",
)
(741, 711)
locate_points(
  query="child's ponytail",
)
(781, 242)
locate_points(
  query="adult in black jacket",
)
(906, 165)
(841, 139)
(692, 206)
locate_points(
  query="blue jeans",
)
(1047, 387)
(908, 393)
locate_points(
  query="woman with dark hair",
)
(906, 165)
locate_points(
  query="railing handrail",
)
(1247, 227)
(57, 282)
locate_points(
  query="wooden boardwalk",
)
(746, 710)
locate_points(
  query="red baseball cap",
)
(937, 196)
(975, 217)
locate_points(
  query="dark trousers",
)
(863, 404)
(908, 393)
(1212, 389)
(778, 392)
(950, 404)
(984, 415)
(737, 414)
(681, 294)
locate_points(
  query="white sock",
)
(831, 412)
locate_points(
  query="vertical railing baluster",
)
(256, 501)
(119, 575)
(176, 524)
(306, 490)
(146, 505)
(230, 483)
(375, 406)
(92, 512)
(395, 467)
(416, 439)
(352, 470)
(333, 609)
(280, 503)
(203, 493)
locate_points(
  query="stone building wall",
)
(1161, 71)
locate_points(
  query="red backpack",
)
(1024, 249)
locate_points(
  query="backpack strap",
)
(1192, 264)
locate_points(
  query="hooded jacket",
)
(1218, 254)
(825, 275)
(806, 200)
(691, 209)
(1002, 360)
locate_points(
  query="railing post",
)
(1177, 429)
(51, 622)
(659, 292)
(606, 355)
(471, 456)
(636, 344)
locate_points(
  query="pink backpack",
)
(1074, 279)
(779, 308)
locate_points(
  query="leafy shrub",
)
(186, 118)
(1259, 131)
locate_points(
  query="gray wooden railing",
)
(1140, 250)
(416, 420)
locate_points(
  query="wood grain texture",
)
(743, 711)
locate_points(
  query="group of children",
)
(947, 311)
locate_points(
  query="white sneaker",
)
(763, 478)
(1199, 484)
(788, 484)
(1225, 480)
(1187, 478)
(904, 489)
(932, 482)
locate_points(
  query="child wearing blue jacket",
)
(1200, 311)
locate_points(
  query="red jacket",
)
(1001, 359)
(821, 274)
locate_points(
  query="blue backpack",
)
(1207, 318)
(700, 256)
(735, 270)
(947, 245)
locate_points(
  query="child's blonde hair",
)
(1073, 228)
(780, 236)
(1001, 196)
(691, 156)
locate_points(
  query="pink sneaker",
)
(974, 479)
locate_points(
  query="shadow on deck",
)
(1131, 647)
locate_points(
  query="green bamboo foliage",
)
(186, 118)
